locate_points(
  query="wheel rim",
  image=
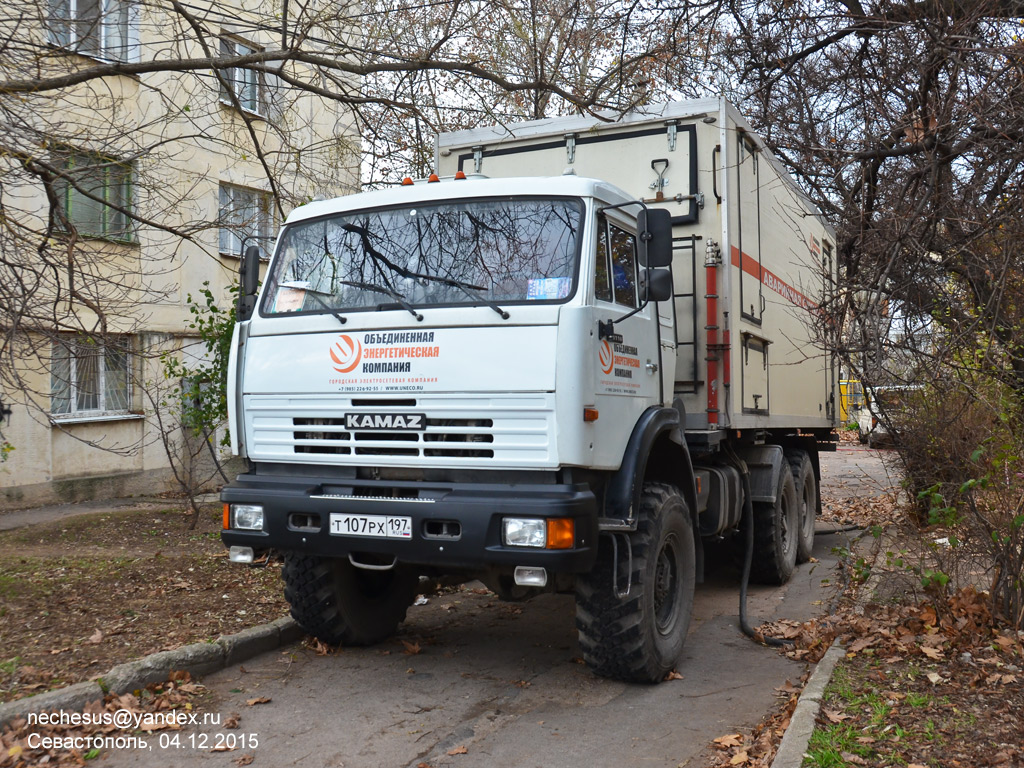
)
(666, 586)
(784, 528)
(807, 504)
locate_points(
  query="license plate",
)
(372, 526)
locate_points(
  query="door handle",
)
(652, 367)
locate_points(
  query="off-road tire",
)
(343, 605)
(776, 531)
(807, 499)
(639, 638)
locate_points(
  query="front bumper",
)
(454, 525)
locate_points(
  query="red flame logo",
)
(606, 357)
(346, 353)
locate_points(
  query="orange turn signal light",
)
(561, 533)
(407, 181)
(432, 178)
(590, 414)
(227, 517)
(460, 175)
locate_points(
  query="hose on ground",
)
(748, 556)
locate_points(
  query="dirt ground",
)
(79, 595)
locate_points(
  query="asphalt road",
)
(471, 681)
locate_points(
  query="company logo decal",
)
(346, 353)
(386, 361)
(606, 357)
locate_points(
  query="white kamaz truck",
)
(565, 362)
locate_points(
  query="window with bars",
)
(102, 29)
(88, 378)
(246, 215)
(96, 194)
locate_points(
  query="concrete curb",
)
(196, 659)
(801, 725)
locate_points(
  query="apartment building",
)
(133, 176)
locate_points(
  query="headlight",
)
(524, 532)
(247, 517)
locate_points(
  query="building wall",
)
(184, 143)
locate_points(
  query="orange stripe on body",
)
(770, 280)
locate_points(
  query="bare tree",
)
(111, 115)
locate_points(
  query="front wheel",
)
(340, 604)
(639, 637)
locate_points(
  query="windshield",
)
(468, 252)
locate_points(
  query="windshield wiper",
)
(468, 288)
(337, 315)
(387, 292)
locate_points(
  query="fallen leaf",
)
(223, 748)
(833, 715)
(245, 759)
(931, 653)
(95, 638)
(935, 678)
(916, 765)
(739, 758)
(729, 740)
(852, 758)
(460, 750)
(1007, 679)
(673, 675)
(411, 649)
(260, 700)
(860, 644)
(232, 720)
(788, 687)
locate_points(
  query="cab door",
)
(627, 365)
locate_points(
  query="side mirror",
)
(249, 279)
(655, 285)
(654, 226)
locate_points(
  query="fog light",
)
(530, 576)
(524, 532)
(247, 517)
(240, 554)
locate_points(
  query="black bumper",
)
(454, 525)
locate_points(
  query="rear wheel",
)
(807, 502)
(640, 637)
(776, 533)
(343, 605)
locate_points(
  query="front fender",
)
(622, 496)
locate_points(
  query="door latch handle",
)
(652, 367)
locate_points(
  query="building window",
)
(96, 195)
(246, 218)
(102, 29)
(247, 85)
(88, 378)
